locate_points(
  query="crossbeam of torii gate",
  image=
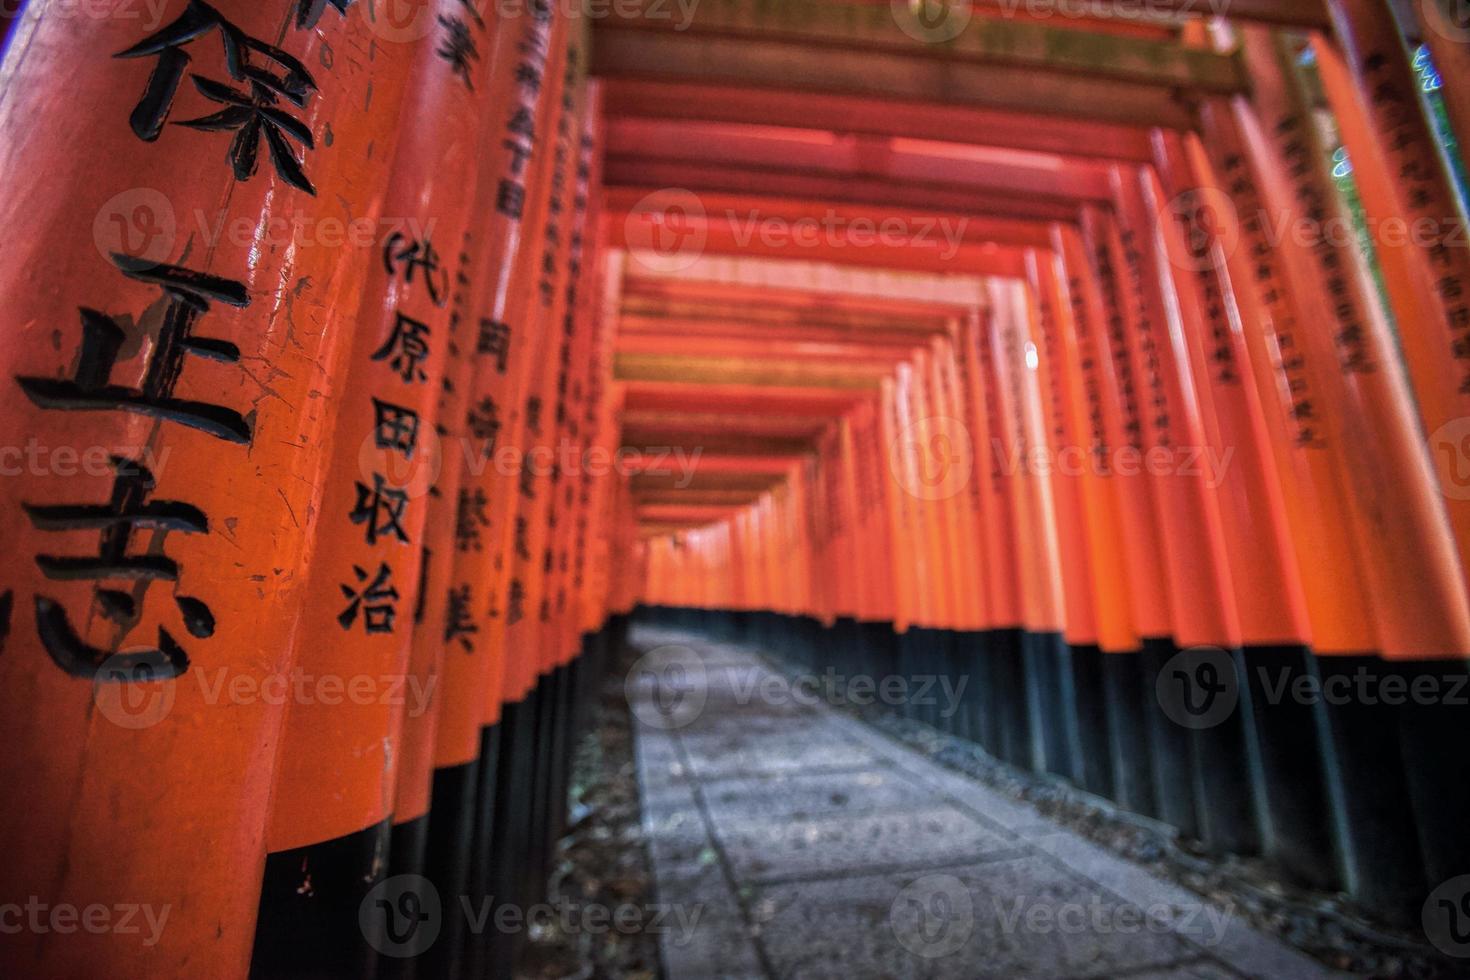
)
(1038, 132)
(767, 255)
(849, 330)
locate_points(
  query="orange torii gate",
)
(1181, 342)
(1026, 351)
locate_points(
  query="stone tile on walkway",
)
(813, 846)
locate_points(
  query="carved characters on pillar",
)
(253, 113)
(91, 387)
(308, 12)
(187, 297)
(520, 126)
(460, 34)
(382, 505)
(128, 509)
(253, 100)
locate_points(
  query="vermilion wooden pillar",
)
(1002, 722)
(1093, 765)
(1367, 417)
(334, 793)
(1049, 683)
(1446, 30)
(1400, 526)
(1118, 553)
(518, 515)
(1419, 229)
(177, 313)
(511, 195)
(1322, 563)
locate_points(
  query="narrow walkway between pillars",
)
(791, 840)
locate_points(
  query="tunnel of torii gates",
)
(366, 367)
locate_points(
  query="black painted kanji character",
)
(127, 510)
(472, 7)
(469, 518)
(459, 622)
(494, 341)
(377, 601)
(528, 77)
(522, 123)
(515, 605)
(533, 415)
(198, 19)
(406, 348)
(381, 508)
(484, 422)
(90, 388)
(395, 427)
(308, 12)
(523, 530)
(458, 48)
(413, 254)
(420, 606)
(510, 199)
(252, 114)
(520, 155)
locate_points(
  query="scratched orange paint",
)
(183, 765)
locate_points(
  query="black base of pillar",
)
(1381, 860)
(511, 833)
(1095, 762)
(1150, 755)
(1007, 664)
(1224, 792)
(1434, 719)
(407, 855)
(982, 713)
(1051, 705)
(481, 855)
(909, 648)
(1298, 821)
(447, 863)
(311, 898)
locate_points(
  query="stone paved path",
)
(809, 845)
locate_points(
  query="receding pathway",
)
(810, 845)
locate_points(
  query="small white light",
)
(1033, 359)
